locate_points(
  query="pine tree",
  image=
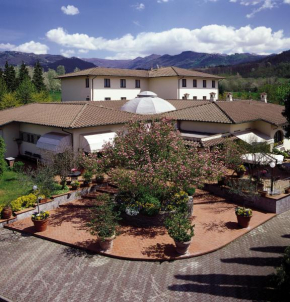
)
(10, 77)
(23, 73)
(38, 80)
(286, 113)
(24, 93)
(1, 74)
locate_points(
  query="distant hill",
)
(274, 65)
(47, 61)
(186, 59)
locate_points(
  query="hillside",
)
(47, 61)
(274, 65)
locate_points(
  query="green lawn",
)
(12, 186)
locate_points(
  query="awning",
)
(95, 142)
(54, 141)
(253, 136)
(262, 159)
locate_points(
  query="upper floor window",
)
(107, 99)
(183, 82)
(29, 137)
(204, 98)
(107, 83)
(204, 83)
(123, 83)
(213, 84)
(195, 98)
(123, 98)
(87, 82)
(137, 84)
(194, 83)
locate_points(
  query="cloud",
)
(287, 1)
(70, 10)
(33, 47)
(6, 46)
(67, 52)
(210, 39)
(83, 51)
(139, 6)
(162, 1)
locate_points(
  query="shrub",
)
(190, 191)
(18, 166)
(3, 164)
(150, 205)
(26, 201)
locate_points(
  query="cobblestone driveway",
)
(32, 269)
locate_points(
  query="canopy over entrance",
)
(262, 159)
(54, 141)
(253, 136)
(95, 142)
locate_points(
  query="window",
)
(123, 83)
(213, 84)
(204, 83)
(87, 82)
(204, 98)
(278, 137)
(107, 99)
(137, 84)
(123, 98)
(107, 83)
(183, 82)
(194, 83)
(195, 98)
(29, 137)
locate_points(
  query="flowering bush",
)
(26, 201)
(241, 168)
(241, 211)
(40, 216)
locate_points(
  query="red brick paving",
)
(214, 219)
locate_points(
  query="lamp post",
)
(38, 198)
(272, 166)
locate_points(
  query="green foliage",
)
(281, 279)
(23, 73)
(23, 202)
(37, 79)
(52, 84)
(40, 216)
(179, 227)
(286, 113)
(60, 70)
(88, 175)
(18, 166)
(150, 205)
(190, 191)
(104, 219)
(10, 77)
(24, 93)
(3, 164)
(9, 100)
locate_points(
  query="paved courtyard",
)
(32, 269)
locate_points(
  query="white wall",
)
(74, 89)
(115, 92)
(165, 88)
(198, 91)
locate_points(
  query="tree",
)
(23, 73)
(38, 80)
(60, 70)
(2, 155)
(8, 100)
(286, 113)
(52, 83)
(10, 77)
(76, 69)
(3, 88)
(25, 91)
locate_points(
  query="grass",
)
(11, 187)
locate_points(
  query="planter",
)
(243, 221)
(182, 247)
(287, 191)
(263, 193)
(40, 225)
(6, 213)
(107, 243)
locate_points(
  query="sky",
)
(126, 29)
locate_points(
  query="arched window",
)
(278, 137)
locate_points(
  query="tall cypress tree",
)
(286, 113)
(38, 77)
(10, 77)
(1, 74)
(23, 73)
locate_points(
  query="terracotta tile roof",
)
(245, 110)
(160, 72)
(217, 141)
(66, 115)
(205, 112)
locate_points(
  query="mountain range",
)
(186, 59)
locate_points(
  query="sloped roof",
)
(154, 73)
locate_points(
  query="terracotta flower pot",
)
(243, 221)
(6, 213)
(107, 243)
(182, 247)
(287, 191)
(40, 225)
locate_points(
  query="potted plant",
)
(180, 230)
(6, 211)
(104, 221)
(240, 170)
(75, 185)
(87, 177)
(100, 178)
(244, 216)
(40, 220)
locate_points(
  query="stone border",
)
(267, 204)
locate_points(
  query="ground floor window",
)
(278, 137)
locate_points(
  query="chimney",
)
(212, 97)
(229, 97)
(264, 97)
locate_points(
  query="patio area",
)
(214, 219)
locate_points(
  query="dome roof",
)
(147, 102)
